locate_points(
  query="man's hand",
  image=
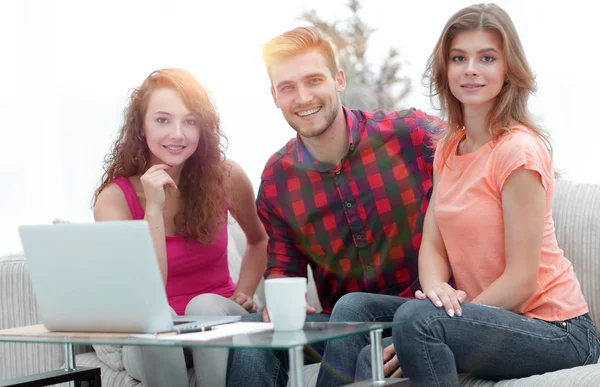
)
(265, 313)
(391, 366)
(245, 301)
(445, 296)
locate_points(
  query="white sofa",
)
(577, 215)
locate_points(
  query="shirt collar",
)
(304, 157)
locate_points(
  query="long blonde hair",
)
(510, 107)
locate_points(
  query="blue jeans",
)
(339, 364)
(262, 367)
(489, 342)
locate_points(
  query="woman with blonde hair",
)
(517, 309)
(168, 168)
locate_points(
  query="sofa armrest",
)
(18, 307)
(576, 213)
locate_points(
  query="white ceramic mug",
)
(286, 302)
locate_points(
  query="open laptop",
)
(101, 277)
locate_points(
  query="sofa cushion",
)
(110, 376)
(236, 245)
(585, 376)
(111, 355)
(576, 213)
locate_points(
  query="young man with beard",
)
(347, 196)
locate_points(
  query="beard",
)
(316, 132)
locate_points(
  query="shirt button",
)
(359, 237)
(348, 204)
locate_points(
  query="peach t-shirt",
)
(468, 212)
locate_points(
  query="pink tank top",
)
(193, 268)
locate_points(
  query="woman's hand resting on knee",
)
(245, 301)
(444, 296)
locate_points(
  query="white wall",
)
(67, 67)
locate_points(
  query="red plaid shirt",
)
(358, 224)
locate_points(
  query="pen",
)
(180, 331)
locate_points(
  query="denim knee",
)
(363, 364)
(255, 367)
(412, 317)
(414, 310)
(352, 307)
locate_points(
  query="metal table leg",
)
(377, 355)
(70, 361)
(296, 356)
(378, 378)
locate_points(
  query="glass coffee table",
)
(293, 342)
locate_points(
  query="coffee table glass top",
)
(313, 332)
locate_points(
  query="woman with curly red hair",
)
(168, 168)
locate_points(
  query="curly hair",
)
(511, 104)
(202, 184)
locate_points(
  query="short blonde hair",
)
(298, 41)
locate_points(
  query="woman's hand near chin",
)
(153, 182)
